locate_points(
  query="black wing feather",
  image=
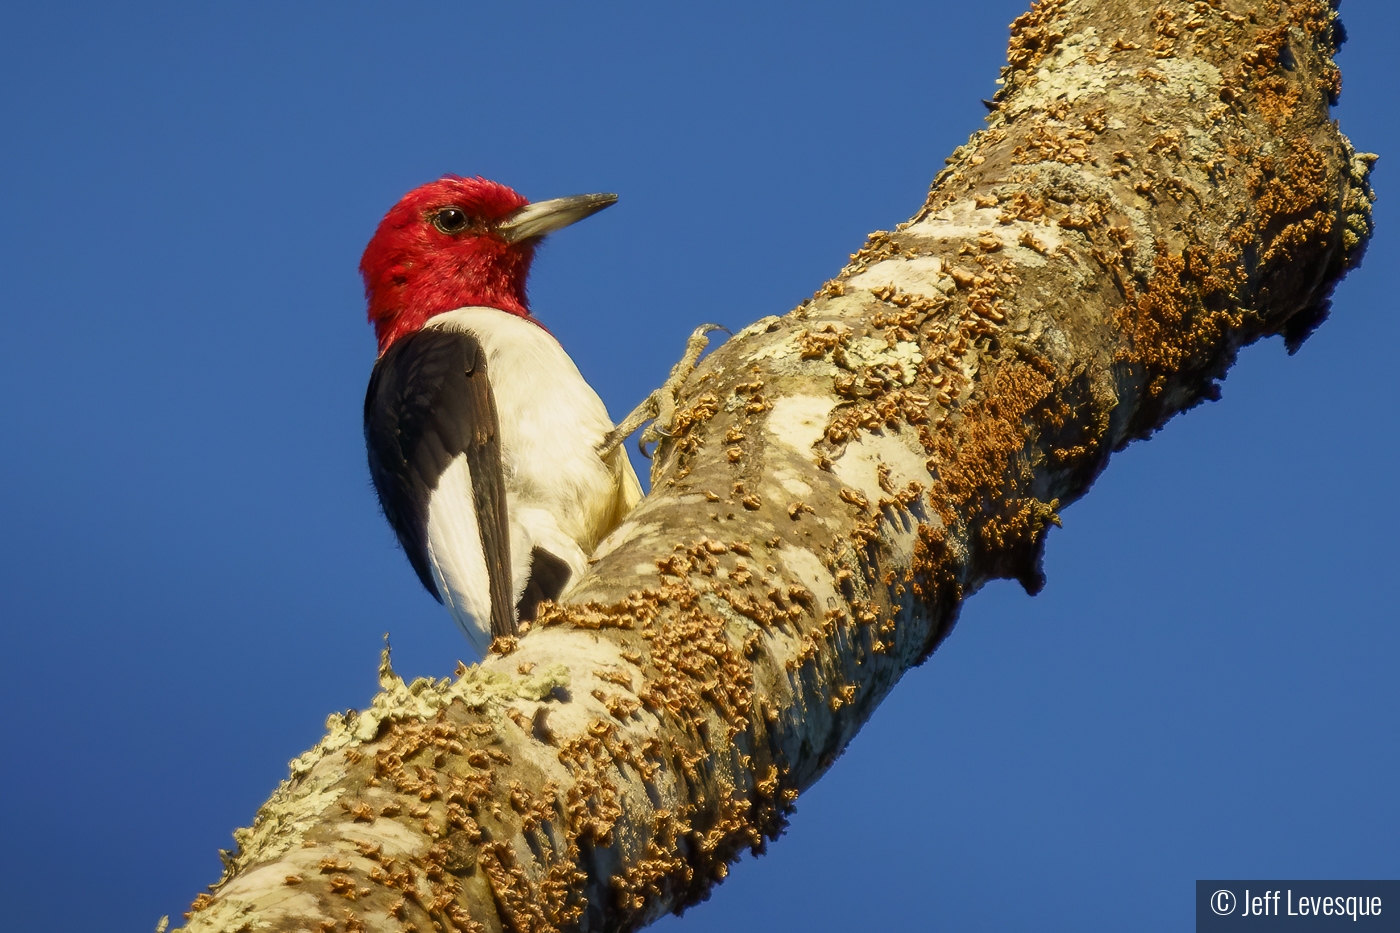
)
(548, 576)
(430, 401)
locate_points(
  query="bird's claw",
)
(651, 434)
(659, 407)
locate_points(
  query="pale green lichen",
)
(312, 787)
(903, 358)
(1359, 201)
(1067, 72)
(423, 697)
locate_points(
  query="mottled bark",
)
(1158, 185)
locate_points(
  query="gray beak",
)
(536, 220)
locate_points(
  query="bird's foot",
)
(659, 407)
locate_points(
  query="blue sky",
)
(193, 571)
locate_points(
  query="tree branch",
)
(1158, 185)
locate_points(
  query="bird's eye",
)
(450, 220)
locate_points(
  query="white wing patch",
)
(456, 555)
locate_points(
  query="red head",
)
(457, 242)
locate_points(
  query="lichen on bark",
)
(1158, 184)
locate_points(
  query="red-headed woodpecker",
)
(484, 440)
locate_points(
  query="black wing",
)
(430, 401)
(548, 577)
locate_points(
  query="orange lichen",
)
(682, 427)
(1293, 199)
(618, 706)
(660, 867)
(697, 668)
(504, 644)
(531, 908)
(1043, 144)
(814, 344)
(1165, 26)
(879, 245)
(974, 464)
(200, 902)
(888, 409)
(1022, 206)
(1035, 34)
(1182, 316)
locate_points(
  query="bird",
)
(494, 461)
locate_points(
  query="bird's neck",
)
(405, 296)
